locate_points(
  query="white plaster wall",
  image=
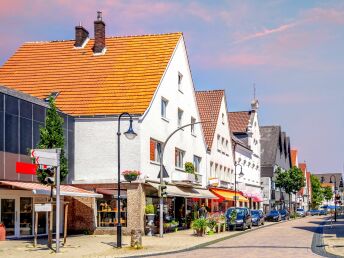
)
(153, 126)
(96, 149)
(225, 157)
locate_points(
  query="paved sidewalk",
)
(333, 236)
(104, 245)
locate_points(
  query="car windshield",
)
(240, 212)
(299, 210)
(283, 212)
(255, 212)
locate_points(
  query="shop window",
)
(197, 163)
(107, 211)
(8, 215)
(179, 158)
(155, 149)
(25, 216)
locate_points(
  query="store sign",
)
(26, 168)
(43, 207)
(214, 181)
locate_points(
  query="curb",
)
(208, 243)
(318, 246)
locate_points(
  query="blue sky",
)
(292, 50)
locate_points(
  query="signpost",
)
(50, 157)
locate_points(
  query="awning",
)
(187, 192)
(111, 191)
(228, 195)
(257, 199)
(65, 190)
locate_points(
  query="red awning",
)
(257, 199)
(65, 190)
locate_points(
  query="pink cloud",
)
(325, 15)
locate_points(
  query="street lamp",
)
(235, 181)
(335, 191)
(129, 134)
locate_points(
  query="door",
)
(8, 216)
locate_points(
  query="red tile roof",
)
(123, 79)
(293, 154)
(209, 104)
(238, 121)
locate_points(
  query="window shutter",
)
(152, 150)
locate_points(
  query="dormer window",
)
(180, 79)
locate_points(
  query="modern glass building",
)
(21, 116)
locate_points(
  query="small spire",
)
(99, 16)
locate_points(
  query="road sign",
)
(26, 168)
(43, 207)
(45, 156)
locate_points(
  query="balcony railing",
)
(180, 176)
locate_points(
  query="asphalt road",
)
(286, 239)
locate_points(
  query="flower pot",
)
(2, 232)
(200, 232)
(130, 178)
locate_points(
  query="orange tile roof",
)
(293, 154)
(209, 104)
(238, 121)
(124, 79)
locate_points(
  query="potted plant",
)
(211, 225)
(232, 224)
(150, 212)
(131, 175)
(174, 225)
(200, 225)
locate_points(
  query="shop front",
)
(226, 200)
(17, 201)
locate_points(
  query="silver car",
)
(301, 212)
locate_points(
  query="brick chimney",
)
(81, 35)
(99, 34)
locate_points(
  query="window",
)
(227, 150)
(223, 118)
(193, 120)
(216, 168)
(107, 210)
(155, 150)
(164, 103)
(223, 144)
(179, 158)
(180, 78)
(218, 143)
(180, 117)
(211, 172)
(197, 163)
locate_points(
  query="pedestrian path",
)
(333, 236)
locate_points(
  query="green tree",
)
(291, 181)
(317, 192)
(51, 136)
(327, 192)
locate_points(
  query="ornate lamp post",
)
(130, 134)
(235, 181)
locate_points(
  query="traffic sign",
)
(45, 156)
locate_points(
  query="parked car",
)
(314, 212)
(257, 217)
(323, 212)
(273, 215)
(301, 212)
(284, 214)
(243, 218)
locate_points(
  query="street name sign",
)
(45, 156)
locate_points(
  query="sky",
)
(292, 51)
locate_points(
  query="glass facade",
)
(20, 121)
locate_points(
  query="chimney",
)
(81, 34)
(99, 34)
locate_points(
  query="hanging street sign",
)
(45, 156)
(43, 207)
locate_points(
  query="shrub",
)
(150, 209)
(189, 168)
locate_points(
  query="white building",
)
(245, 128)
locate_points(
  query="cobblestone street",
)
(292, 239)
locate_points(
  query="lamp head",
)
(130, 134)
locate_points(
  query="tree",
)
(317, 192)
(291, 181)
(328, 193)
(51, 136)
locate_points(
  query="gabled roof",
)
(293, 154)
(269, 142)
(238, 121)
(124, 79)
(209, 105)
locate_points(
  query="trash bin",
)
(2, 232)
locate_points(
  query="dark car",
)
(284, 214)
(314, 212)
(257, 217)
(273, 215)
(243, 218)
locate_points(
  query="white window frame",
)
(180, 82)
(156, 152)
(180, 117)
(193, 120)
(179, 160)
(163, 108)
(197, 163)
